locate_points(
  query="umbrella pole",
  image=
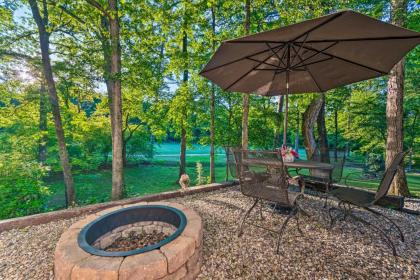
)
(286, 115)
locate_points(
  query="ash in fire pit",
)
(134, 236)
(132, 230)
(135, 241)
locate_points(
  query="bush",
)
(21, 188)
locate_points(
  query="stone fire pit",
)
(81, 251)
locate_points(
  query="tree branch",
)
(68, 12)
(17, 55)
(99, 7)
(126, 123)
(131, 133)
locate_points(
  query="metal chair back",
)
(389, 176)
(233, 163)
(262, 184)
(338, 163)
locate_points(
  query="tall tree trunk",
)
(116, 103)
(182, 155)
(308, 123)
(212, 105)
(44, 42)
(335, 134)
(43, 110)
(245, 98)
(322, 132)
(394, 107)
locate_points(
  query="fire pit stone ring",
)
(177, 257)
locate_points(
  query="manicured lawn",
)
(96, 186)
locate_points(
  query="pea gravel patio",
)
(346, 252)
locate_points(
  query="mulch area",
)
(348, 251)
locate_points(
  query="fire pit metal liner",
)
(144, 213)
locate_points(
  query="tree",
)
(322, 132)
(308, 125)
(212, 102)
(42, 24)
(245, 98)
(336, 104)
(111, 21)
(394, 107)
(182, 156)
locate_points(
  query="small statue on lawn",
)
(184, 182)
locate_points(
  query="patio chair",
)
(350, 198)
(267, 186)
(321, 176)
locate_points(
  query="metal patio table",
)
(298, 164)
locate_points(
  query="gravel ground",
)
(348, 251)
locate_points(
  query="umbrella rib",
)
(347, 60)
(268, 69)
(319, 25)
(239, 59)
(271, 49)
(309, 71)
(314, 62)
(306, 37)
(315, 54)
(252, 69)
(263, 62)
(277, 72)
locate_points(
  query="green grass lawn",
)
(95, 187)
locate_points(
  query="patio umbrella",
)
(311, 56)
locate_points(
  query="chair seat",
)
(354, 196)
(271, 193)
(315, 179)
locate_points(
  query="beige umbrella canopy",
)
(310, 56)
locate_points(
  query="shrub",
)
(21, 189)
(199, 172)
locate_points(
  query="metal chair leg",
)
(298, 224)
(347, 212)
(387, 240)
(291, 214)
(389, 220)
(261, 210)
(326, 201)
(241, 225)
(333, 219)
